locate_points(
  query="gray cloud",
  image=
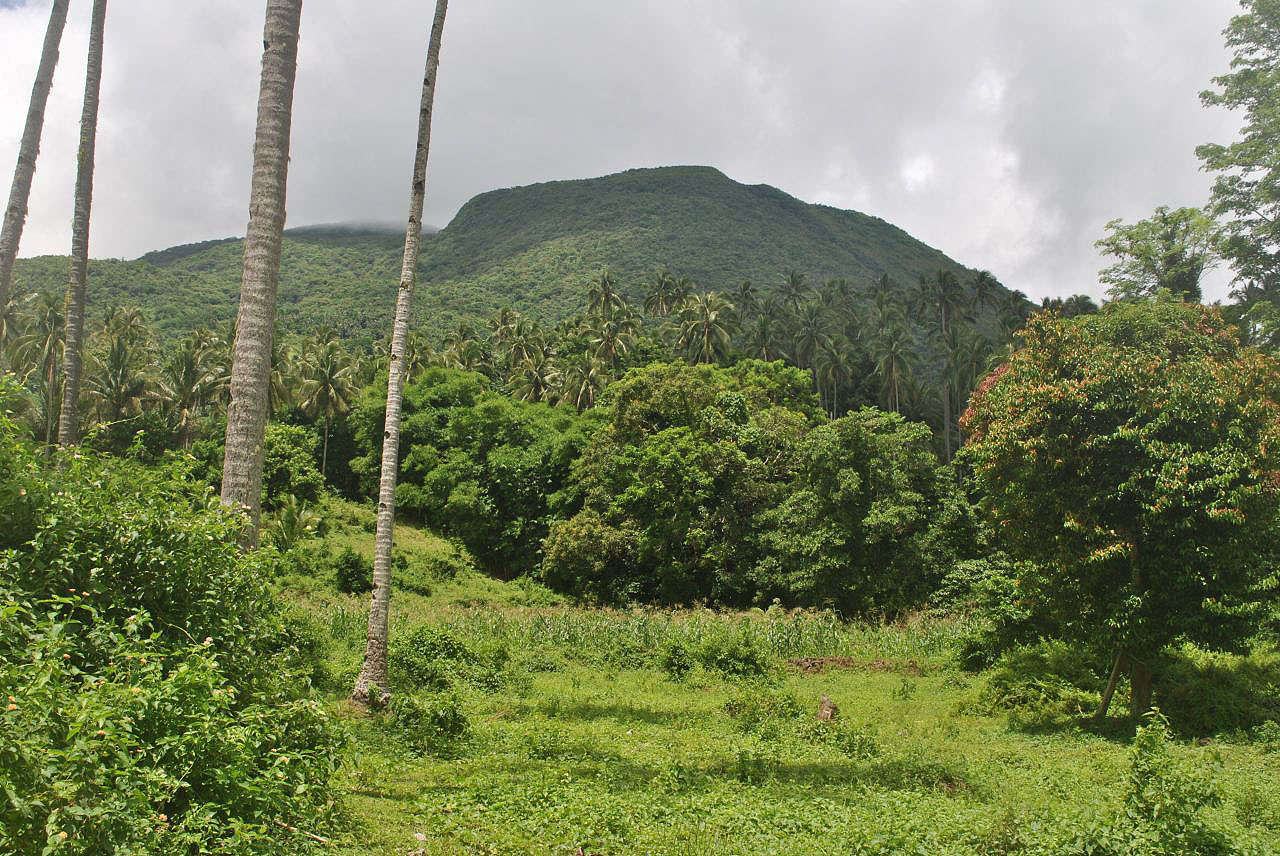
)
(1004, 132)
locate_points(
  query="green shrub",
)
(353, 573)
(1163, 806)
(434, 724)
(676, 660)
(756, 707)
(291, 464)
(408, 573)
(1203, 694)
(736, 656)
(434, 658)
(756, 763)
(1042, 686)
(857, 742)
(447, 566)
(1267, 736)
(157, 694)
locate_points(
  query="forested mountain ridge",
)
(533, 248)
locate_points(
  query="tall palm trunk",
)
(15, 215)
(372, 687)
(324, 455)
(946, 393)
(255, 322)
(73, 344)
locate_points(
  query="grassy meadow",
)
(528, 726)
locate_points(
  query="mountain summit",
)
(533, 248)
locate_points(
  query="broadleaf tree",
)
(1133, 458)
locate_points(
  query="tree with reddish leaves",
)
(1133, 458)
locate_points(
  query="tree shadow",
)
(590, 711)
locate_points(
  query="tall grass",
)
(635, 637)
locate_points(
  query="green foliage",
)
(736, 656)
(1132, 458)
(1046, 686)
(1245, 190)
(671, 487)
(434, 658)
(154, 699)
(532, 247)
(704, 486)
(290, 465)
(1206, 694)
(871, 523)
(757, 710)
(676, 660)
(291, 522)
(1171, 250)
(353, 573)
(22, 493)
(478, 466)
(1163, 806)
(433, 723)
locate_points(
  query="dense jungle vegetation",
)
(859, 552)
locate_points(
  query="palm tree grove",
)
(639, 508)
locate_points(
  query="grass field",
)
(590, 732)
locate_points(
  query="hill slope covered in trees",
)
(533, 248)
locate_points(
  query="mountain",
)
(534, 248)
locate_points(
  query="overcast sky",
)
(1004, 132)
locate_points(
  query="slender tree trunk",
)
(324, 454)
(946, 396)
(1110, 691)
(73, 344)
(372, 686)
(50, 401)
(255, 322)
(15, 215)
(1140, 686)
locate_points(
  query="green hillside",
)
(531, 247)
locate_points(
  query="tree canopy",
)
(1134, 457)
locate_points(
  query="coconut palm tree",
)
(469, 355)
(833, 372)
(188, 384)
(1014, 310)
(522, 342)
(744, 298)
(603, 297)
(811, 334)
(255, 323)
(119, 384)
(985, 289)
(894, 357)
(944, 298)
(706, 328)
(15, 213)
(69, 418)
(327, 389)
(611, 336)
(38, 351)
(581, 381)
(661, 299)
(764, 336)
(794, 291)
(536, 379)
(372, 685)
